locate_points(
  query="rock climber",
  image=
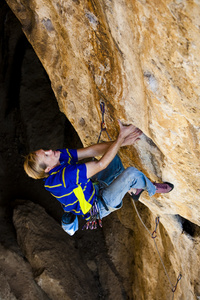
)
(93, 189)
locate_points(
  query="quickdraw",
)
(178, 279)
(103, 126)
(153, 235)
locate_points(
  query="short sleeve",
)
(68, 156)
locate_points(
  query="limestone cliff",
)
(142, 59)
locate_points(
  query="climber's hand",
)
(125, 130)
(132, 138)
(129, 133)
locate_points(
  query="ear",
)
(47, 169)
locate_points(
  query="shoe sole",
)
(171, 186)
(136, 197)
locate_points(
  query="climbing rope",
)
(103, 126)
(153, 236)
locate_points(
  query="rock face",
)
(45, 245)
(17, 283)
(142, 59)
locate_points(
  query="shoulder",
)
(68, 155)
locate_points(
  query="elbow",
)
(101, 165)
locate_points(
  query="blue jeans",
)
(115, 182)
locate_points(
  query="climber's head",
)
(37, 164)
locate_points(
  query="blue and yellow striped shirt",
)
(69, 184)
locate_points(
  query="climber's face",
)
(49, 157)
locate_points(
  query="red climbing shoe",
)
(136, 196)
(163, 188)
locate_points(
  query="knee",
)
(132, 171)
(133, 176)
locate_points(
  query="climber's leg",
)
(115, 192)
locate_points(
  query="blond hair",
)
(33, 167)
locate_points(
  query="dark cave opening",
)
(13, 88)
(188, 227)
(30, 118)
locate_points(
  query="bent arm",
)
(127, 136)
(93, 167)
(94, 150)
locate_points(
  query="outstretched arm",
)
(127, 136)
(93, 150)
(101, 149)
